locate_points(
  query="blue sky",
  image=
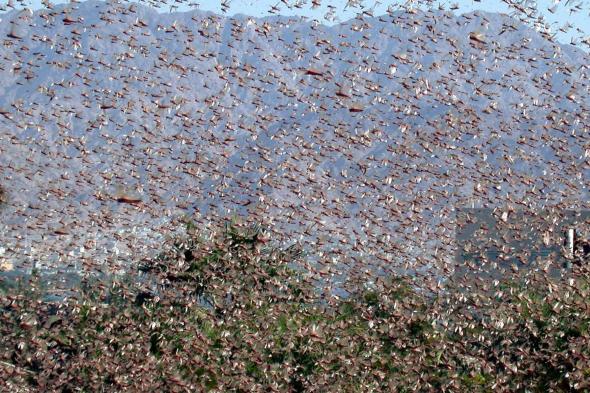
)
(342, 10)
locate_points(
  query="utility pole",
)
(570, 243)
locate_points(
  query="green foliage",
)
(235, 314)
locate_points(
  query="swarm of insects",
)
(388, 196)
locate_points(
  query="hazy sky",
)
(342, 10)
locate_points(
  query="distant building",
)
(492, 241)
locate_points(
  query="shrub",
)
(236, 314)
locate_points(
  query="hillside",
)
(118, 121)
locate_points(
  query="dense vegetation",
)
(236, 314)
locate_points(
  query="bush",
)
(236, 314)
